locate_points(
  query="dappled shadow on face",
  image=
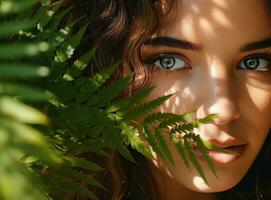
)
(214, 84)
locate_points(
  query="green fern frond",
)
(68, 46)
(23, 92)
(204, 152)
(193, 159)
(135, 99)
(132, 137)
(110, 92)
(181, 150)
(80, 162)
(13, 7)
(148, 135)
(79, 176)
(7, 28)
(22, 71)
(147, 107)
(172, 121)
(163, 145)
(91, 85)
(66, 184)
(83, 61)
(18, 50)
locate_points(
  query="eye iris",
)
(167, 62)
(252, 63)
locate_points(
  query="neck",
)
(169, 189)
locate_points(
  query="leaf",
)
(108, 93)
(79, 176)
(158, 117)
(181, 152)
(10, 7)
(204, 152)
(118, 145)
(151, 140)
(163, 145)
(67, 47)
(8, 70)
(172, 120)
(147, 107)
(24, 92)
(83, 61)
(97, 81)
(8, 28)
(22, 50)
(194, 160)
(30, 140)
(21, 112)
(210, 146)
(48, 15)
(132, 137)
(134, 100)
(207, 119)
(67, 185)
(80, 162)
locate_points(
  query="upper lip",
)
(227, 143)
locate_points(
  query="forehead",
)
(233, 21)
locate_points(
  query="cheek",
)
(176, 83)
(259, 106)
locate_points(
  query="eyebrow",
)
(172, 42)
(257, 45)
(183, 44)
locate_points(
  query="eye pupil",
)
(252, 63)
(167, 62)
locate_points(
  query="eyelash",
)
(155, 58)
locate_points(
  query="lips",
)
(237, 147)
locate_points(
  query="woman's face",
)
(218, 59)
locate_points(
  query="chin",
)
(214, 184)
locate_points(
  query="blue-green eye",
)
(255, 63)
(169, 62)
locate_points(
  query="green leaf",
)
(65, 184)
(204, 152)
(108, 93)
(134, 99)
(149, 136)
(24, 92)
(83, 61)
(181, 152)
(80, 162)
(163, 145)
(8, 70)
(158, 117)
(194, 160)
(8, 28)
(147, 107)
(96, 81)
(211, 146)
(22, 50)
(207, 119)
(132, 137)
(67, 48)
(10, 7)
(21, 112)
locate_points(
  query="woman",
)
(215, 55)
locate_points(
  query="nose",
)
(221, 95)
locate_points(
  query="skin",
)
(213, 82)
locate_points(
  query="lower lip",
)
(223, 158)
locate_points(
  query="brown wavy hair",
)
(118, 28)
